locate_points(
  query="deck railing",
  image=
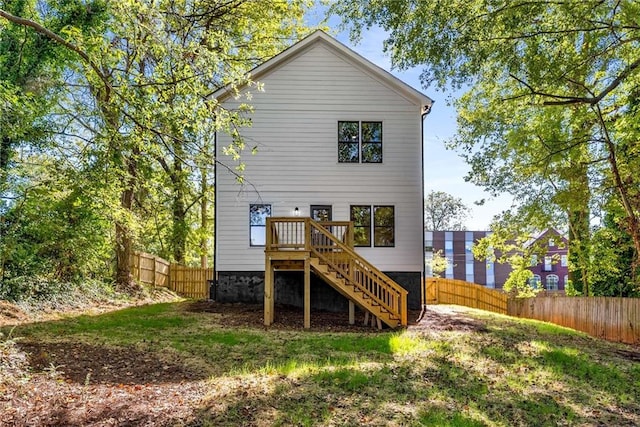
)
(332, 243)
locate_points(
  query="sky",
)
(444, 169)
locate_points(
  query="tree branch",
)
(53, 36)
(591, 100)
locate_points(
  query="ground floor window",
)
(373, 225)
(552, 282)
(258, 224)
(535, 281)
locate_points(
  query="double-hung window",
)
(258, 224)
(373, 224)
(359, 142)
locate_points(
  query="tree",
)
(137, 111)
(551, 114)
(439, 263)
(442, 211)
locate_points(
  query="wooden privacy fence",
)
(459, 292)
(613, 319)
(190, 282)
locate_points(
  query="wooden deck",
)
(326, 248)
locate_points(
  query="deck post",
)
(268, 292)
(403, 309)
(352, 313)
(307, 293)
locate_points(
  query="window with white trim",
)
(552, 282)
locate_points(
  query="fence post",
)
(155, 269)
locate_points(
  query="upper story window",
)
(548, 264)
(564, 262)
(258, 224)
(359, 142)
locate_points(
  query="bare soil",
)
(79, 384)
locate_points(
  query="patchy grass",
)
(508, 372)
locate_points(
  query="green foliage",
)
(439, 263)
(115, 127)
(443, 211)
(551, 111)
(519, 283)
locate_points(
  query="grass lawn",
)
(163, 364)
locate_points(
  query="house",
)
(550, 270)
(338, 139)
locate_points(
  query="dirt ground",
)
(80, 384)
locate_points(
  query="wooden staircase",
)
(327, 249)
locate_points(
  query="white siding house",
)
(335, 132)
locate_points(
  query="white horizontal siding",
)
(294, 127)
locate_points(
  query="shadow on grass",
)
(444, 395)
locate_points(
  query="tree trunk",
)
(579, 233)
(124, 235)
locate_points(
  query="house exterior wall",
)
(295, 129)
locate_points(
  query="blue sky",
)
(444, 169)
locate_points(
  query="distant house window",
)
(566, 280)
(373, 224)
(563, 260)
(548, 264)
(428, 240)
(535, 281)
(468, 256)
(448, 254)
(258, 224)
(534, 260)
(551, 243)
(552, 282)
(359, 142)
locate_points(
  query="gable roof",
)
(343, 51)
(549, 231)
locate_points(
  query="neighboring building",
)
(338, 139)
(456, 246)
(551, 271)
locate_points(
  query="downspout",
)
(423, 286)
(214, 288)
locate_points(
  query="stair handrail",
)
(400, 311)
